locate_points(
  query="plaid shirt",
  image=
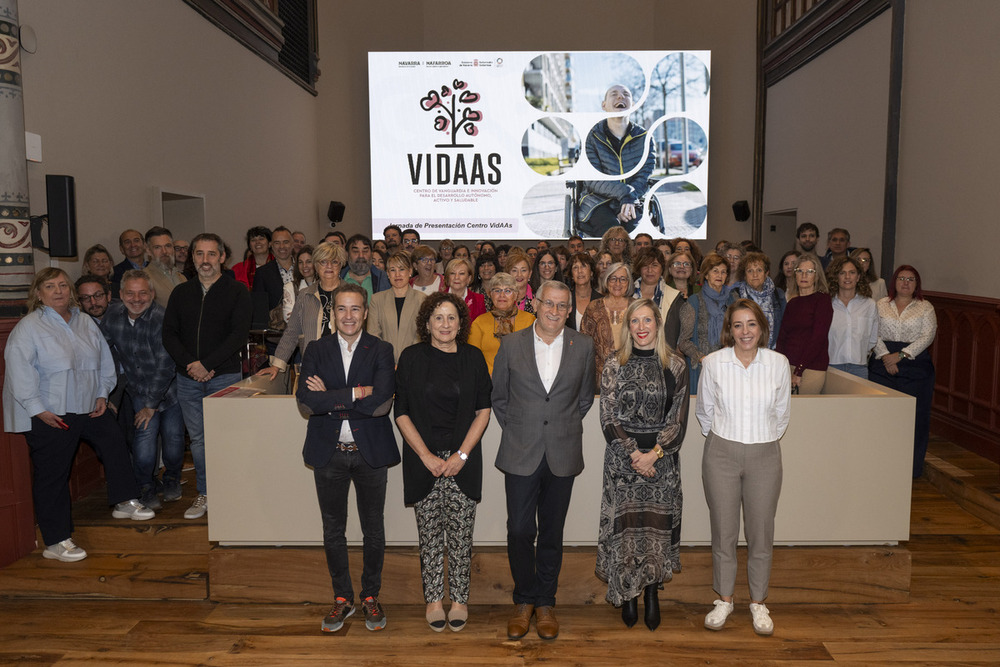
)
(149, 371)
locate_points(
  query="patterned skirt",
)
(640, 532)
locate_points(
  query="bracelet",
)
(659, 452)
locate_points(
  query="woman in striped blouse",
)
(744, 398)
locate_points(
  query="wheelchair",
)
(570, 225)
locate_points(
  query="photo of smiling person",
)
(615, 146)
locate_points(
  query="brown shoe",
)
(546, 623)
(518, 625)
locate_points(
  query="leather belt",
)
(347, 446)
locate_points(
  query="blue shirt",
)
(54, 365)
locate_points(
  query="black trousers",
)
(332, 484)
(536, 508)
(52, 453)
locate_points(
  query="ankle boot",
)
(652, 606)
(630, 612)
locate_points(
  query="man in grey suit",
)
(543, 385)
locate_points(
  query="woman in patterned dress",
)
(442, 409)
(644, 407)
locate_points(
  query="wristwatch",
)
(903, 355)
(462, 455)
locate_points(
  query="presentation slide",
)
(528, 145)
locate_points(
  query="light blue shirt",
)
(54, 365)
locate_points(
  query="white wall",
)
(950, 146)
(826, 138)
(131, 94)
(349, 30)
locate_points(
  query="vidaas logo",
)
(453, 112)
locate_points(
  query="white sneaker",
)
(716, 618)
(132, 509)
(198, 508)
(66, 551)
(762, 623)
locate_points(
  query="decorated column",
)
(16, 269)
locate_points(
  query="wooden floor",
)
(952, 617)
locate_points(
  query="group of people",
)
(440, 339)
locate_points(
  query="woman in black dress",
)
(644, 407)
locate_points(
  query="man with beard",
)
(204, 329)
(393, 236)
(94, 295)
(807, 236)
(161, 271)
(359, 269)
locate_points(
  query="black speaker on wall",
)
(741, 210)
(336, 212)
(60, 194)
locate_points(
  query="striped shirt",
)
(749, 405)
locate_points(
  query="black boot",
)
(652, 604)
(630, 612)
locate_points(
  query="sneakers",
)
(198, 508)
(66, 551)
(762, 623)
(132, 509)
(341, 610)
(716, 618)
(374, 616)
(171, 491)
(150, 500)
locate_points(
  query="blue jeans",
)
(169, 426)
(861, 370)
(189, 395)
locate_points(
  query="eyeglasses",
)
(616, 240)
(561, 307)
(327, 262)
(425, 260)
(805, 272)
(505, 291)
(905, 279)
(89, 298)
(864, 261)
(681, 265)
(618, 279)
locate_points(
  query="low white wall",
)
(846, 456)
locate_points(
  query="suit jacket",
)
(268, 279)
(371, 365)
(382, 319)
(537, 423)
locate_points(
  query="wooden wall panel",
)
(966, 353)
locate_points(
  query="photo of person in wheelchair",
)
(614, 146)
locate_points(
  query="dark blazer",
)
(372, 365)
(268, 279)
(537, 424)
(416, 365)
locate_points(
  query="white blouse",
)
(853, 331)
(749, 405)
(916, 325)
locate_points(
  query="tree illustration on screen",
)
(451, 117)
